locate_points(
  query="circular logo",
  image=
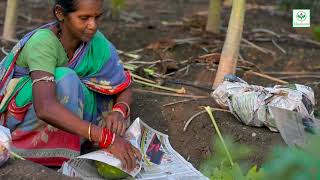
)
(301, 16)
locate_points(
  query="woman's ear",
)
(59, 13)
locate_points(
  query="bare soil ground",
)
(146, 27)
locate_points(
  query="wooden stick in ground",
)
(169, 94)
(267, 77)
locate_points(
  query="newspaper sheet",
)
(159, 159)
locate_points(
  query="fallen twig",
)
(169, 94)
(4, 51)
(9, 40)
(250, 64)
(130, 55)
(201, 112)
(291, 73)
(191, 118)
(296, 37)
(13, 154)
(179, 91)
(177, 102)
(266, 31)
(300, 76)
(264, 50)
(278, 46)
(267, 77)
(142, 78)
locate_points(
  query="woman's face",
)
(83, 23)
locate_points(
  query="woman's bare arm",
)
(48, 109)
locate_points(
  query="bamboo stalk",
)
(9, 30)
(214, 16)
(230, 51)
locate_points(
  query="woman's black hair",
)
(68, 6)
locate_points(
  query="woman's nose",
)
(92, 24)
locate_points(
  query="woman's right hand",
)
(123, 150)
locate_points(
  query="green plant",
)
(222, 164)
(313, 5)
(316, 32)
(116, 6)
(295, 163)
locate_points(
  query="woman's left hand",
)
(116, 123)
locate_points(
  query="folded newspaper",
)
(159, 159)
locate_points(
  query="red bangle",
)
(107, 138)
(121, 108)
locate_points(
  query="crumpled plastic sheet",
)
(249, 103)
(5, 141)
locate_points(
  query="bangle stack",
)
(107, 138)
(123, 108)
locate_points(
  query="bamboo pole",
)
(230, 51)
(9, 31)
(214, 16)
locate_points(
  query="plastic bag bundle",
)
(5, 141)
(250, 103)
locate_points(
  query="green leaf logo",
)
(301, 16)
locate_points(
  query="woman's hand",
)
(116, 123)
(124, 151)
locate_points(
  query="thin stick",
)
(267, 77)
(296, 37)
(191, 118)
(4, 51)
(9, 40)
(169, 94)
(266, 31)
(278, 46)
(16, 156)
(209, 110)
(300, 76)
(179, 91)
(197, 114)
(291, 73)
(134, 56)
(264, 50)
(177, 102)
(142, 78)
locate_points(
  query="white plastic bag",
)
(249, 103)
(5, 141)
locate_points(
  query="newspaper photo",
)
(159, 159)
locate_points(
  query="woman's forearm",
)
(60, 117)
(125, 96)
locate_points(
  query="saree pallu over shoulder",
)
(84, 86)
(96, 63)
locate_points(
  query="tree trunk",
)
(9, 31)
(227, 3)
(230, 51)
(213, 22)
